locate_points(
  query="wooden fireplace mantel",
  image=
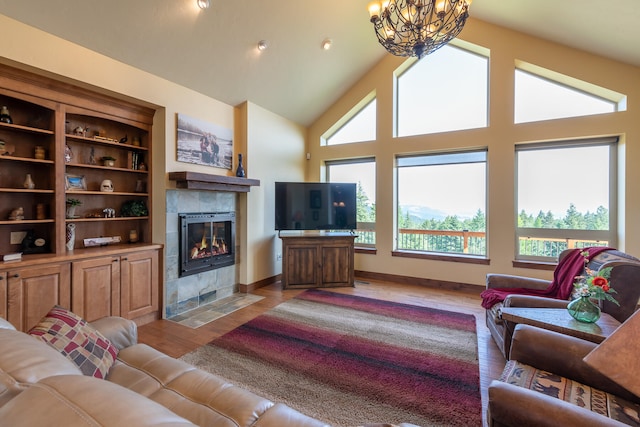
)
(204, 181)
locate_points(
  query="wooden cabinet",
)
(88, 140)
(58, 137)
(124, 285)
(95, 287)
(139, 284)
(33, 291)
(324, 260)
(27, 208)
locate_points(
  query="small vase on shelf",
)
(28, 182)
(71, 236)
(240, 170)
(583, 310)
(5, 117)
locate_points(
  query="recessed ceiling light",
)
(203, 4)
(326, 44)
(262, 45)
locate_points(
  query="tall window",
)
(445, 91)
(565, 197)
(359, 124)
(538, 98)
(363, 173)
(442, 203)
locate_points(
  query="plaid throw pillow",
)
(77, 340)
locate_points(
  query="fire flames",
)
(202, 249)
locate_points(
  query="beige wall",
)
(273, 146)
(275, 153)
(506, 48)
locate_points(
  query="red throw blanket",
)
(560, 288)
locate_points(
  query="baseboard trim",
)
(259, 284)
(382, 277)
(420, 281)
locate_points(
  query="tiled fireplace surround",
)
(189, 292)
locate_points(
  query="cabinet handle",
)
(16, 275)
(125, 259)
(115, 260)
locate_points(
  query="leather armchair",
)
(513, 405)
(625, 278)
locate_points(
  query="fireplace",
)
(206, 241)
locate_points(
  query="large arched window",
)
(542, 98)
(444, 91)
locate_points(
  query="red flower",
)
(600, 281)
(605, 288)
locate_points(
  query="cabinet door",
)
(301, 264)
(139, 284)
(33, 291)
(95, 290)
(337, 265)
(3, 294)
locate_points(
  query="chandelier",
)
(417, 27)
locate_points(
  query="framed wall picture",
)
(74, 182)
(204, 143)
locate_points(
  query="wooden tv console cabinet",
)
(316, 261)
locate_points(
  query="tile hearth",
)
(215, 310)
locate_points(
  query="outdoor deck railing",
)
(467, 242)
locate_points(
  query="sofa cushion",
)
(200, 397)
(25, 360)
(83, 401)
(553, 385)
(77, 340)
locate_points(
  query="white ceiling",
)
(214, 51)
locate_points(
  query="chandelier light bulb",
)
(326, 44)
(262, 45)
(203, 4)
(374, 10)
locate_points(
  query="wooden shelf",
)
(26, 128)
(109, 168)
(107, 142)
(106, 193)
(204, 181)
(26, 159)
(26, 221)
(26, 190)
(120, 218)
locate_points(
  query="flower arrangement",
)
(595, 284)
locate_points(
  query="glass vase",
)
(583, 310)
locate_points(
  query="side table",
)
(559, 320)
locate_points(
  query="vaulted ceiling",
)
(214, 51)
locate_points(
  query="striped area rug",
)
(350, 360)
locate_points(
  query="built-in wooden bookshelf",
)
(56, 139)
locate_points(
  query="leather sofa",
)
(550, 382)
(144, 387)
(625, 278)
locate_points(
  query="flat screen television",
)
(315, 206)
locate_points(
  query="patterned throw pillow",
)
(77, 340)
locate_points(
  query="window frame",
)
(341, 162)
(348, 118)
(406, 67)
(615, 102)
(610, 236)
(446, 158)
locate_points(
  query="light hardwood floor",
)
(177, 340)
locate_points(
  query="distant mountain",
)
(422, 213)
